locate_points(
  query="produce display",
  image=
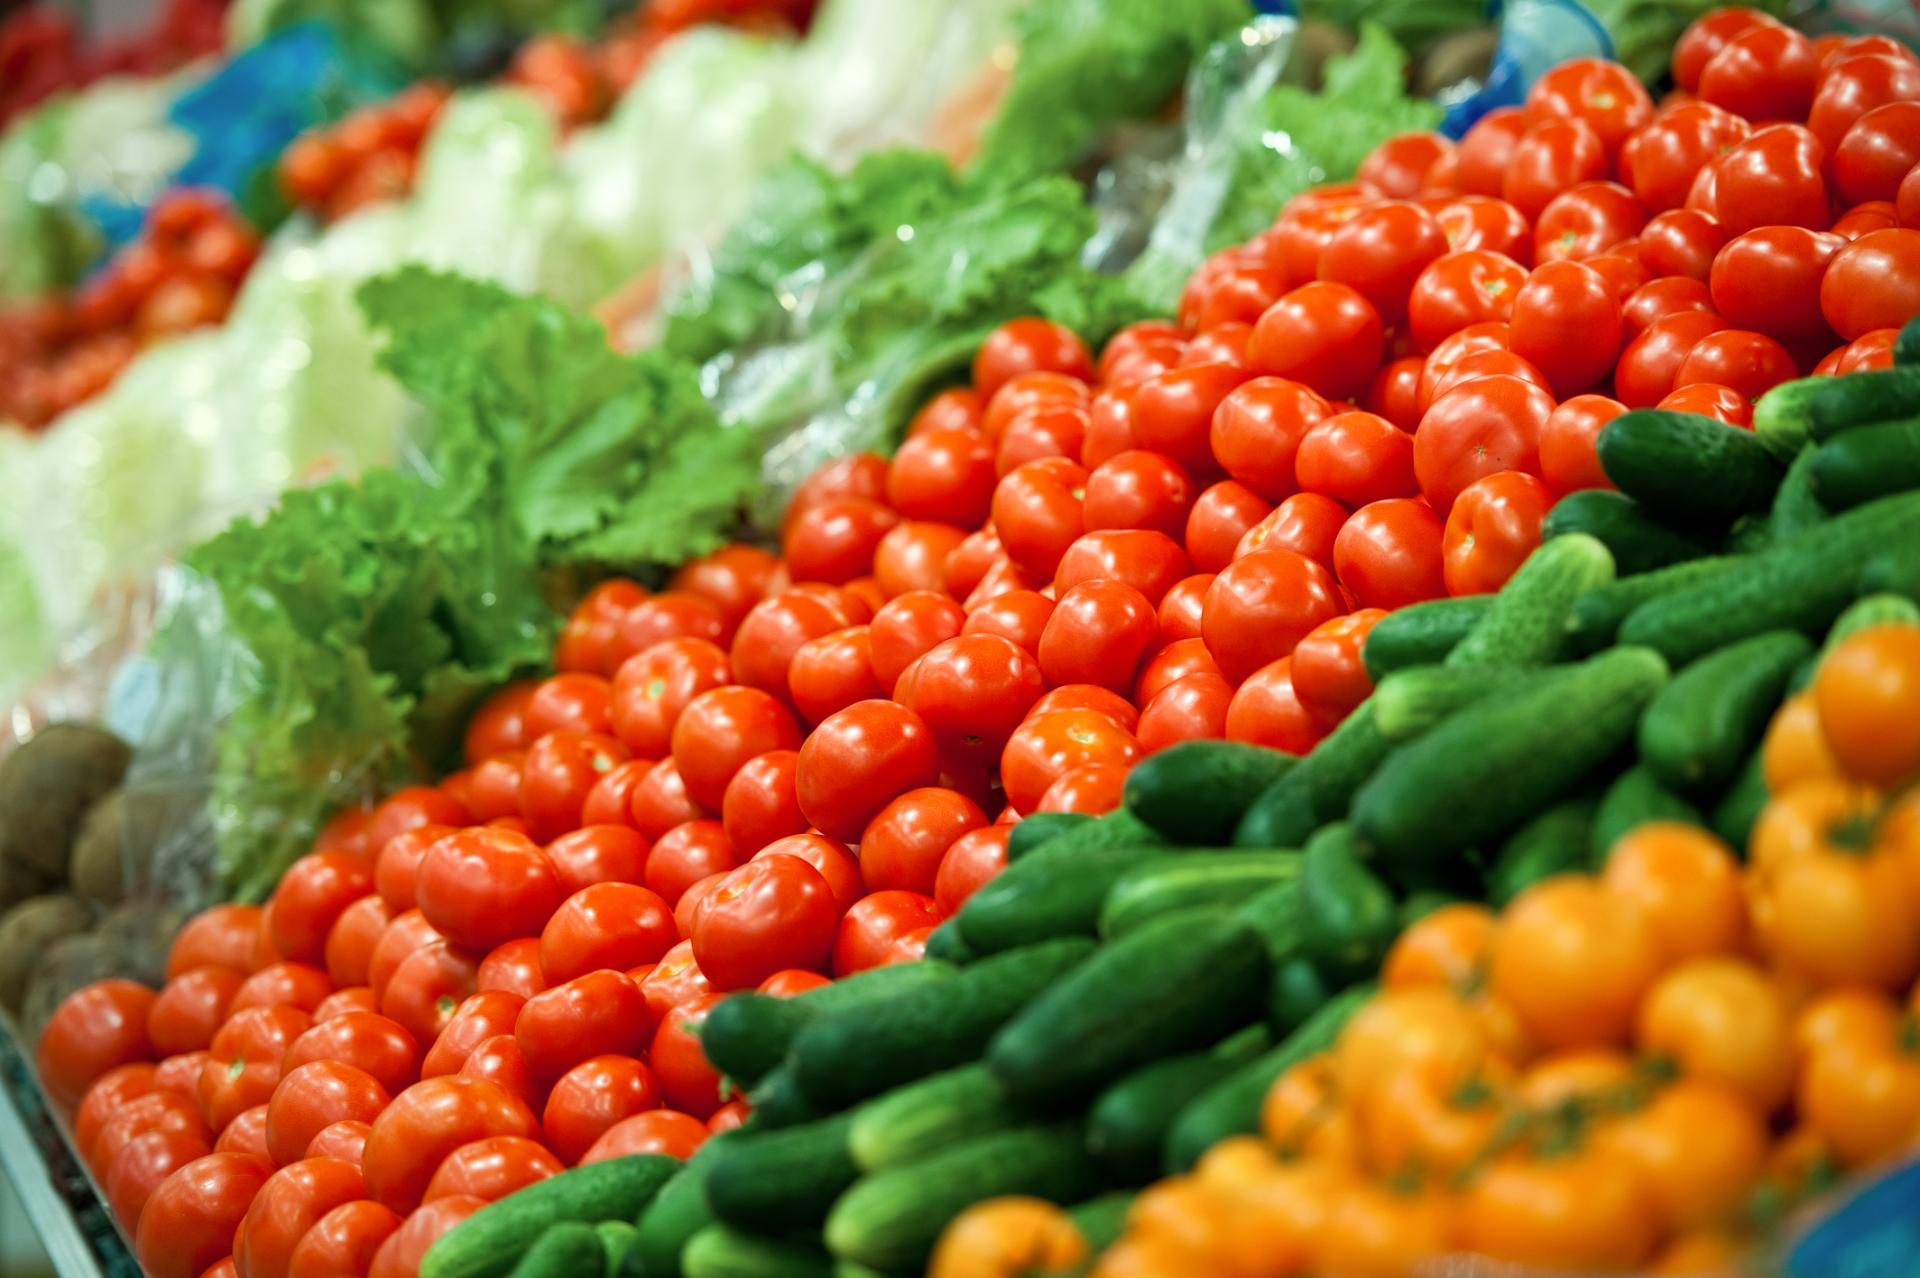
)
(1353, 713)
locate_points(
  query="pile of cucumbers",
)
(1122, 995)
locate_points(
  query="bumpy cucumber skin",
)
(934, 1113)
(1420, 634)
(570, 1249)
(720, 1252)
(786, 1178)
(1795, 508)
(1703, 724)
(1527, 625)
(1688, 467)
(1195, 792)
(1319, 787)
(1635, 798)
(1224, 878)
(1040, 827)
(1128, 1122)
(1638, 541)
(1818, 408)
(488, 1243)
(1348, 917)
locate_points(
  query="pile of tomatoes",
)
(43, 50)
(364, 158)
(181, 273)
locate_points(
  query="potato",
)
(98, 869)
(1464, 55)
(26, 932)
(46, 786)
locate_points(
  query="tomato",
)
(1584, 1210)
(1721, 1020)
(1028, 345)
(1491, 530)
(1173, 414)
(1305, 523)
(1308, 221)
(721, 730)
(400, 1255)
(1853, 86)
(1235, 294)
(1325, 335)
(688, 1083)
(1477, 429)
(829, 856)
(137, 1168)
(1394, 391)
(653, 686)
(1660, 161)
(686, 854)
(874, 924)
(669, 616)
(969, 562)
(397, 868)
(1001, 578)
(310, 896)
(1401, 165)
(1480, 223)
(313, 1096)
(96, 1028)
(734, 577)
(1874, 215)
(607, 925)
(1604, 94)
(1057, 430)
(1866, 690)
(1388, 554)
(904, 845)
(479, 1017)
(773, 631)
(1568, 460)
(483, 886)
(155, 1111)
(1049, 745)
(1256, 432)
(1551, 156)
(291, 1202)
(1669, 295)
(1567, 322)
(1764, 73)
(222, 934)
(1678, 243)
(657, 1131)
(660, 802)
(299, 985)
(500, 1060)
(853, 475)
(1770, 280)
(598, 854)
(245, 1134)
(1220, 517)
(1650, 362)
(973, 859)
(589, 643)
(1749, 363)
(1265, 710)
(349, 949)
(1870, 350)
(1130, 341)
(1379, 253)
(1487, 148)
(560, 769)
(1037, 512)
(1587, 220)
(376, 1045)
(833, 540)
(1462, 288)
(1874, 282)
(190, 1219)
(428, 1121)
(857, 760)
(1876, 152)
(1709, 34)
(913, 556)
(428, 987)
(569, 702)
(1263, 604)
(775, 912)
(1329, 678)
(593, 1096)
(512, 967)
(109, 1093)
(352, 998)
(907, 628)
(1181, 608)
(597, 1014)
(1771, 178)
(973, 690)
(1098, 634)
(944, 474)
(1175, 661)
(344, 1241)
(1136, 489)
(1356, 458)
(1190, 708)
(495, 1166)
(191, 1006)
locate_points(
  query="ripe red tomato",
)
(1657, 299)
(598, 1014)
(397, 868)
(1325, 335)
(1087, 696)
(1388, 554)
(1220, 517)
(973, 690)
(310, 896)
(1256, 434)
(1308, 221)
(686, 854)
(658, 1131)
(1874, 215)
(343, 1241)
(872, 926)
(349, 949)
(1091, 790)
(774, 912)
(560, 769)
(1394, 390)
(1870, 351)
(660, 802)
(1402, 165)
(1266, 711)
(246, 1134)
(607, 925)
(1478, 428)
(1566, 321)
(155, 1111)
(375, 1044)
(298, 985)
(914, 555)
(1037, 512)
(773, 631)
(1487, 148)
(1551, 156)
(222, 934)
(854, 475)
(138, 1167)
(1650, 361)
(1329, 678)
(974, 858)
(833, 540)
(353, 998)
(1604, 94)
(1771, 178)
(479, 1017)
(1482, 223)
(1097, 634)
(687, 1081)
(1026, 393)
(492, 1168)
(1766, 72)
(314, 1096)
(1462, 288)
(1173, 413)
(1491, 530)
(1181, 609)
(598, 854)
(943, 474)
(904, 845)
(1263, 604)
(1175, 661)
(857, 760)
(1380, 252)
(570, 702)
(483, 886)
(653, 686)
(400, 1255)
(427, 987)
(1190, 708)
(830, 857)
(593, 1096)
(1661, 160)
(829, 674)
(1356, 458)
(1709, 34)
(190, 1219)
(1568, 457)
(345, 1140)
(1722, 403)
(1587, 220)
(1750, 363)
(1049, 745)
(109, 1093)
(907, 628)
(95, 1028)
(590, 642)
(500, 1060)
(1852, 86)
(1679, 242)
(1138, 489)
(427, 1122)
(189, 1008)
(1878, 150)
(291, 1202)
(512, 967)
(1027, 345)
(721, 730)
(1874, 282)
(1054, 430)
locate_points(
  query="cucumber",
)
(1596, 616)
(1102, 1220)
(1032, 831)
(1420, 634)
(1734, 815)
(1299, 989)
(935, 1113)
(1420, 904)
(1527, 624)
(491, 1241)
(865, 1050)
(1906, 346)
(1893, 571)
(747, 1035)
(1688, 467)
(1800, 585)
(1555, 842)
(1056, 891)
(1795, 508)
(1197, 878)
(570, 1249)
(1700, 728)
(1818, 408)
(1867, 462)
(891, 1219)
(1231, 1107)
(1408, 702)
(720, 1252)
(1750, 533)
(946, 945)
(1348, 917)
(1480, 774)
(784, 1179)
(1118, 827)
(1128, 1122)
(619, 1240)
(1274, 913)
(678, 1211)
(1638, 541)
(1174, 983)
(1869, 611)
(780, 1102)
(1319, 787)
(1635, 798)
(1195, 791)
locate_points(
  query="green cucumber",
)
(1801, 584)
(720, 1252)
(491, 1241)
(1596, 616)
(1555, 842)
(1687, 467)
(946, 945)
(1867, 462)
(1636, 539)
(570, 1249)
(1408, 702)
(1819, 408)
(1348, 917)
(783, 1179)
(1734, 815)
(1750, 533)
(1319, 787)
(1635, 798)
(1033, 830)
(1893, 571)
(1117, 828)
(1699, 729)
(1102, 1220)
(1056, 891)
(779, 1100)
(1274, 913)
(1195, 791)
(1527, 624)
(1173, 983)
(1420, 634)
(747, 1035)
(1479, 775)
(891, 1219)
(619, 1240)
(935, 1113)
(678, 1211)
(1298, 990)
(1869, 611)
(866, 1050)
(1196, 878)
(1231, 1107)
(1906, 345)
(1128, 1122)
(1795, 508)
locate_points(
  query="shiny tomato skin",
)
(1138, 489)
(246, 1134)
(1175, 661)
(1657, 299)
(1877, 151)
(1263, 604)
(559, 771)
(907, 628)
(1329, 677)
(1566, 321)
(499, 1060)
(1483, 223)
(428, 987)
(291, 1201)
(661, 802)
(1650, 361)
(834, 540)
(483, 886)
(1048, 745)
(1587, 220)
(772, 913)
(1173, 413)
(943, 474)
(155, 1111)
(314, 1096)
(1769, 280)
(298, 985)
(1680, 242)
(1098, 633)
(653, 686)
(1462, 288)
(1026, 345)
(1381, 251)
(479, 1017)
(106, 1096)
(1568, 457)
(412, 806)
(1038, 512)
(686, 854)
(903, 846)
(569, 702)
(1771, 178)
(1750, 363)
(688, 1083)
(1551, 156)
(1872, 283)
(190, 1219)
(512, 967)
(1477, 429)
(1324, 334)
(773, 631)
(663, 618)
(493, 1167)
(139, 1166)
(1191, 708)
(1852, 86)
(221, 934)
(720, 730)
(1660, 161)
(1767, 72)
(974, 858)
(1388, 553)
(601, 1013)
(343, 1241)
(1722, 403)
(593, 1096)
(190, 1008)
(607, 925)
(1256, 433)
(400, 1255)
(350, 942)
(656, 1131)
(1266, 711)
(1491, 530)
(427, 1122)
(1356, 458)
(310, 896)
(1487, 148)
(874, 924)
(973, 690)
(1182, 606)
(1091, 790)
(377, 1045)
(1220, 517)
(96, 1028)
(853, 475)
(857, 760)
(830, 857)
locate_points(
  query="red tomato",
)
(1173, 414)
(1766, 72)
(1030, 392)
(597, 1014)
(479, 1017)
(973, 690)
(914, 555)
(1657, 299)
(1771, 178)
(246, 1134)
(1874, 282)
(344, 1241)
(1190, 708)
(569, 702)
(1266, 711)
(108, 1094)
(499, 1060)
(1874, 215)
(1055, 430)
(660, 802)
(1182, 607)
(1750, 363)
(1325, 335)
(590, 643)
(1709, 34)
(657, 1131)
(492, 1168)
(593, 1096)
(349, 949)
(1722, 403)
(1660, 161)
(512, 967)
(155, 1111)
(607, 925)
(1028, 345)
(974, 858)
(760, 804)
(833, 540)
(345, 1140)
(179, 1075)
(1587, 220)
(1138, 489)
(353, 998)
(874, 924)
(773, 631)
(907, 628)
(1568, 459)
(687, 1081)
(830, 857)
(1852, 86)
(1551, 156)
(653, 686)
(1388, 554)
(1175, 661)
(1220, 517)
(427, 987)
(95, 1028)
(904, 845)
(734, 577)
(560, 769)
(1878, 150)
(377, 1045)
(1401, 165)
(1088, 696)
(397, 868)
(138, 1167)
(1650, 361)
(1480, 223)
(1478, 428)
(298, 985)
(1305, 523)
(400, 1255)
(665, 617)
(943, 474)
(1604, 94)
(598, 854)
(772, 913)
(857, 760)
(310, 896)
(190, 1008)
(1380, 251)
(1356, 458)
(222, 934)
(1263, 604)
(190, 1219)
(1491, 530)
(720, 731)
(1037, 512)
(1487, 148)
(314, 1096)
(1098, 634)
(482, 886)
(1093, 789)
(1047, 746)
(1459, 289)
(291, 1202)
(1256, 434)
(854, 475)
(1870, 351)
(1394, 391)
(686, 854)
(1329, 677)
